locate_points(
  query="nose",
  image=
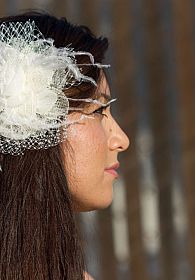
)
(118, 140)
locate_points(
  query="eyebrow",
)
(106, 96)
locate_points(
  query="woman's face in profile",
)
(95, 144)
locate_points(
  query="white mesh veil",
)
(33, 75)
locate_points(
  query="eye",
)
(101, 111)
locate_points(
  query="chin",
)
(100, 205)
(105, 204)
(96, 205)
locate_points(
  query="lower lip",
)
(112, 171)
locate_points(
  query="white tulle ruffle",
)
(33, 75)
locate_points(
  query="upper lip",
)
(114, 166)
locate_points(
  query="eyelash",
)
(100, 110)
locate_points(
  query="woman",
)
(58, 140)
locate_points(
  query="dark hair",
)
(38, 232)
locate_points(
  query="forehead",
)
(103, 89)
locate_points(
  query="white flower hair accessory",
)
(33, 76)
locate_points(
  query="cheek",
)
(89, 149)
(87, 163)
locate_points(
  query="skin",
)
(95, 143)
(88, 276)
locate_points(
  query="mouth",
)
(112, 170)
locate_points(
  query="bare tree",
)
(24, 5)
(185, 59)
(89, 14)
(108, 260)
(160, 125)
(124, 69)
(60, 7)
(2, 8)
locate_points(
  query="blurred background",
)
(148, 233)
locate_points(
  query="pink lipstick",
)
(112, 169)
